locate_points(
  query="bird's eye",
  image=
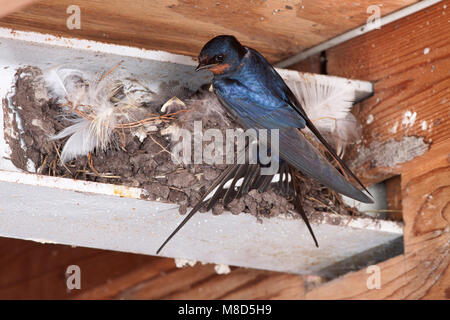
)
(219, 58)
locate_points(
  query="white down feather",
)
(328, 105)
(74, 89)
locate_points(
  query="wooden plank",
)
(8, 7)
(277, 28)
(313, 64)
(406, 78)
(408, 61)
(423, 271)
(201, 282)
(394, 197)
(30, 270)
(136, 232)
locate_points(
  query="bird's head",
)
(221, 55)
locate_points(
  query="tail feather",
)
(223, 178)
(298, 203)
(237, 180)
(300, 153)
(335, 156)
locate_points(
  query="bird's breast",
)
(220, 68)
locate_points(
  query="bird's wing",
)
(299, 152)
(275, 85)
(293, 102)
(293, 146)
(267, 111)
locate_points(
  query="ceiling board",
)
(277, 28)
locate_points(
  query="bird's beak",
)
(205, 66)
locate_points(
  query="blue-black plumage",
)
(255, 94)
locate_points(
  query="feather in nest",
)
(95, 106)
(328, 106)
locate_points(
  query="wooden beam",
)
(25, 202)
(8, 7)
(30, 270)
(200, 282)
(313, 64)
(423, 271)
(277, 28)
(409, 79)
(408, 63)
(394, 197)
(360, 30)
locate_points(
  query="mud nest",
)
(140, 157)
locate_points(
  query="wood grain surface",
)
(277, 28)
(8, 7)
(423, 272)
(30, 270)
(409, 63)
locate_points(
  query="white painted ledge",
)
(53, 210)
(105, 216)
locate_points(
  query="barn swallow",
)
(251, 90)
